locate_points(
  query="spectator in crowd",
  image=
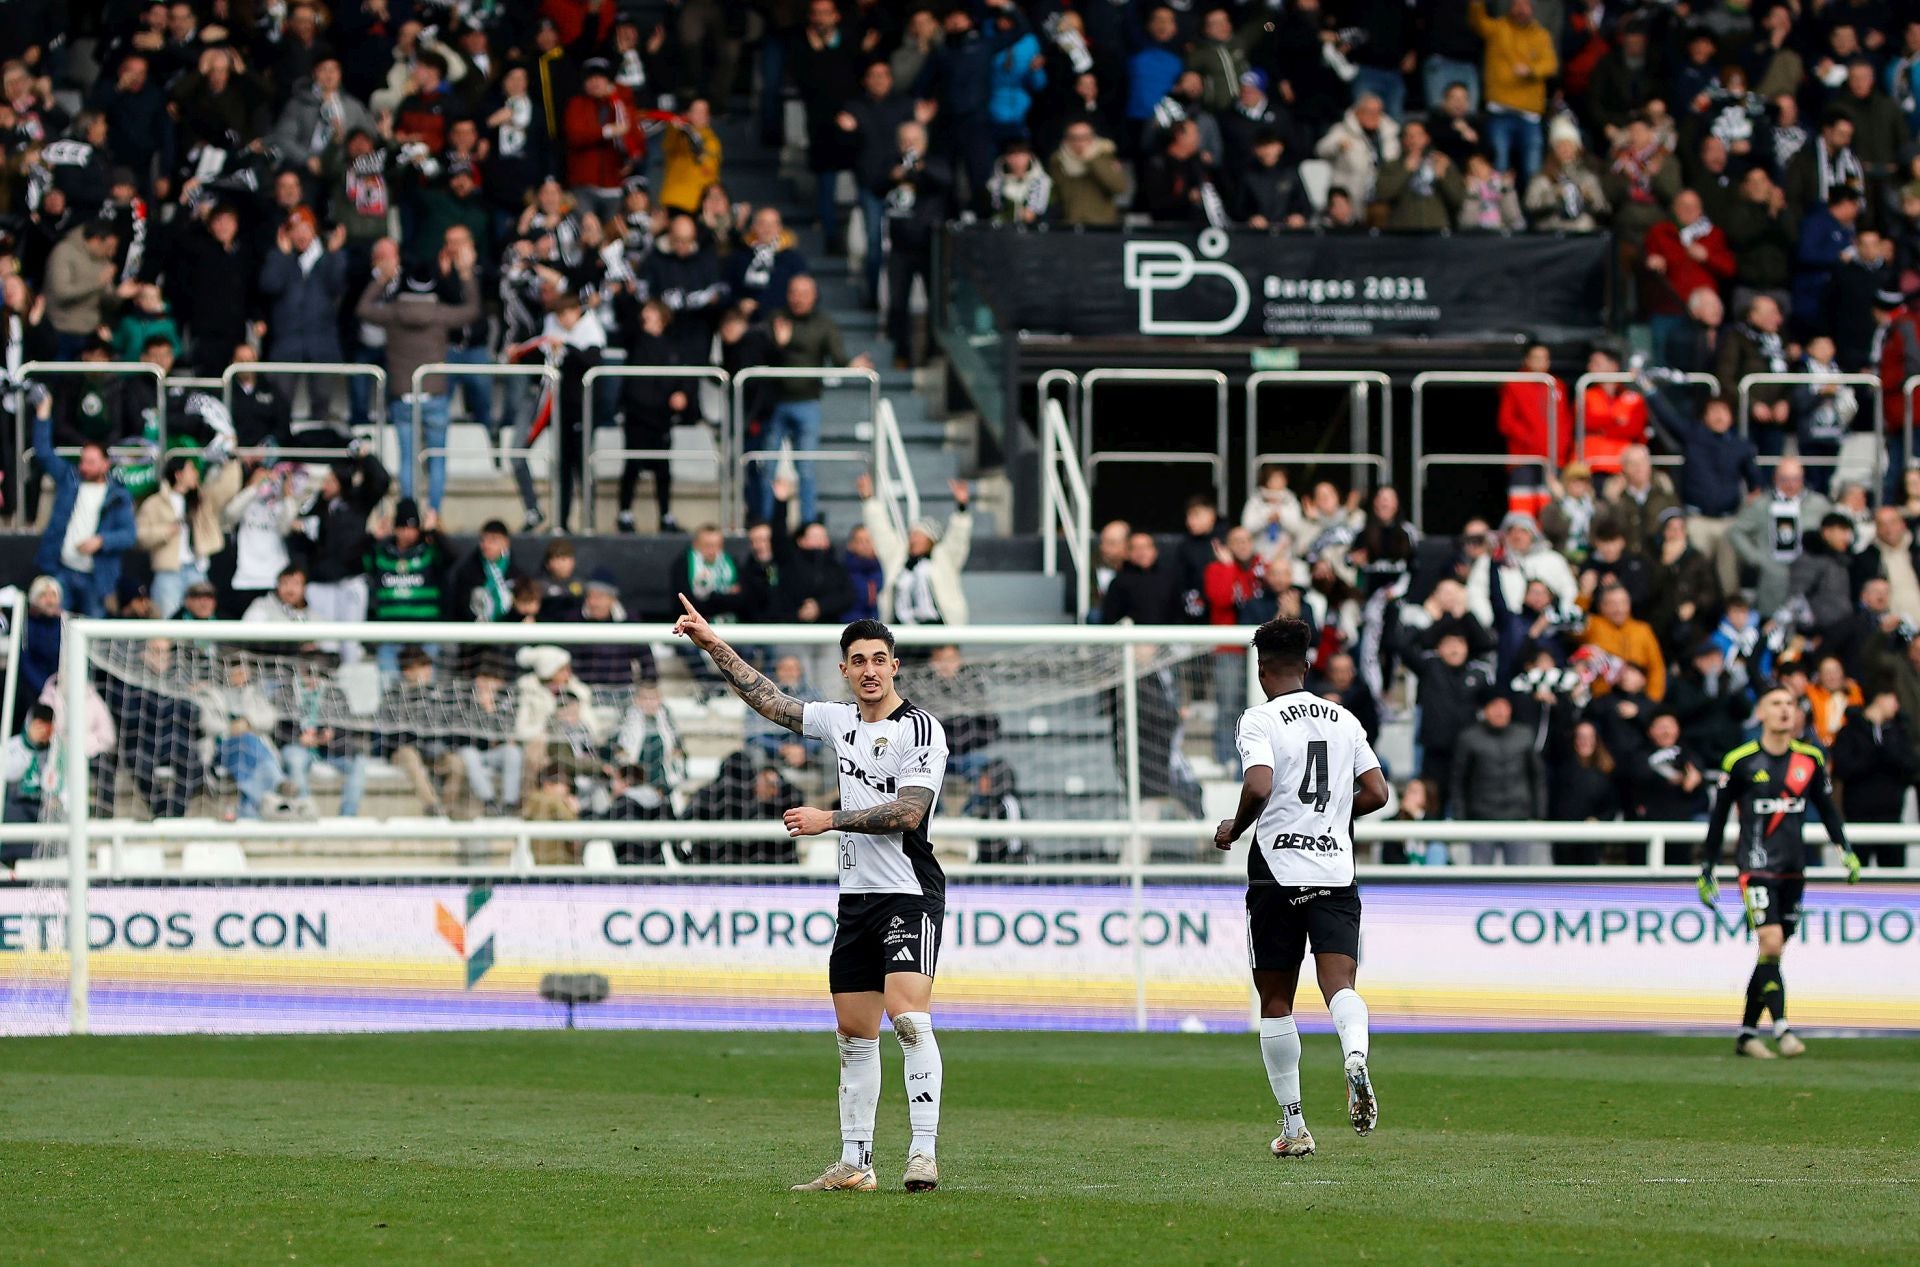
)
(693, 155)
(1422, 188)
(180, 525)
(1019, 191)
(1236, 594)
(759, 273)
(1537, 421)
(1490, 202)
(406, 569)
(1664, 778)
(1687, 261)
(1271, 193)
(1087, 177)
(30, 770)
(650, 408)
(91, 524)
(1683, 587)
(1178, 183)
(159, 732)
(1875, 762)
(491, 763)
(1609, 562)
(1893, 556)
(1616, 415)
(608, 665)
(1718, 470)
(1767, 533)
(308, 736)
(1364, 140)
(917, 202)
(547, 684)
(417, 325)
(1637, 497)
(303, 280)
(870, 123)
(804, 337)
(1147, 589)
(1582, 788)
(866, 577)
(1826, 241)
(1566, 195)
(418, 727)
(923, 572)
(1823, 413)
(1449, 691)
(1764, 239)
(826, 60)
(1822, 575)
(1613, 629)
(481, 588)
(335, 550)
(80, 282)
(1831, 695)
(1825, 163)
(603, 129)
(1497, 776)
(1522, 558)
(1519, 62)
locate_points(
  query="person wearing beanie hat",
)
(923, 571)
(406, 574)
(1521, 558)
(548, 685)
(1497, 775)
(418, 321)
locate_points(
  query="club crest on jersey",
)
(880, 745)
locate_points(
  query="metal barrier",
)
(309, 369)
(417, 398)
(1906, 430)
(22, 429)
(1464, 378)
(588, 454)
(893, 483)
(1580, 385)
(1362, 453)
(734, 446)
(1066, 506)
(1800, 379)
(1090, 459)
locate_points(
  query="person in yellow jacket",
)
(1519, 61)
(692, 152)
(1612, 628)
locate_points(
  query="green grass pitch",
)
(1056, 1149)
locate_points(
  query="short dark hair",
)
(1283, 641)
(862, 631)
(41, 712)
(292, 569)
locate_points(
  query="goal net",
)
(417, 827)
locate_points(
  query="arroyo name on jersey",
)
(907, 748)
(1316, 750)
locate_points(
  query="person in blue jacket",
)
(92, 521)
(1826, 241)
(960, 75)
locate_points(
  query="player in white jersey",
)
(1309, 773)
(892, 758)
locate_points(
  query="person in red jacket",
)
(1235, 585)
(1616, 415)
(1524, 410)
(605, 136)
(1687, 261)
(1899, 361)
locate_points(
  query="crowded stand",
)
(194, 189)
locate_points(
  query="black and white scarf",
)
(1835, 167)
(1691, 233)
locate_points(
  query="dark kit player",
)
(892, 757)
(1772, 780)
(1309, 773)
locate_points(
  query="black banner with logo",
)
(1263, 286)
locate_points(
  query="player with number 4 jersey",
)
(892, 758)
(1771, 782)
(1309, 772)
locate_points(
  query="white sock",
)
(1350, 1018)
(924, 1075)
(859, 1097)
(1280, 1049)
(1780, 1027)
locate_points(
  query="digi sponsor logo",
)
(456, 933)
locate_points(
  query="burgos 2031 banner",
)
(266, 956)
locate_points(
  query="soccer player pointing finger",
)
(1309, 773)
(892, 758)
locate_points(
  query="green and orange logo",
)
(454, 932)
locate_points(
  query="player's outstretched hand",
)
(692, 625)
(1709, 889)
(808, 822)
(1851, 861)
(1223, 834)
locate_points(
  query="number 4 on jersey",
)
(1315, 788)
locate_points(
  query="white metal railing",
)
(1580, 385)
(1469, 378)
(418, 471)
(590, 455)
(1363, 452)
(738, 456)
(893, 482)
(1066, 508)
(23, 430)
(1871, 382)
(287, 370)
(1214, 458)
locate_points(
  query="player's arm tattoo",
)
(751, 685)
(903, 813)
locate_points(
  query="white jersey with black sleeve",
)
(907, 748)
(1316, 750)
